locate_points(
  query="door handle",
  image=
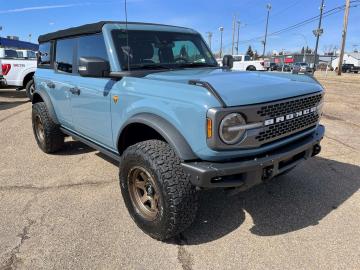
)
(75, 91)
(50, 84)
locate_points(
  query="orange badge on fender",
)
(115, 99)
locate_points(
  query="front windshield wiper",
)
(189, 65)
(149, 66)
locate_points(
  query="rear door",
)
(91, 103)
(60, 80)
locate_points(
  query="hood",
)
(244, 87)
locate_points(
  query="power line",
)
(302, 23)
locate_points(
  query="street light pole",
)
(268, 6)
(210, 34)
(221, 29)
(237, 38)
(318, 32)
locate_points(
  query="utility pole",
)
(346, 18)
(233, 35)
(237, 38)
(221, 29)
(268, 6)
(209, 34)
(318, 33)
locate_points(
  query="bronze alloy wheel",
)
(39, 129)
(144, 192)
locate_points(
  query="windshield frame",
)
(200, 45)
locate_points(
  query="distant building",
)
(349, 58)
(11, 43)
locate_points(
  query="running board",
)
(77, 137)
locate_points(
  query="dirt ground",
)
(65, 211)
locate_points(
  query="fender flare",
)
(50, 107)
(166, 130)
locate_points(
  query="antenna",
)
(127, 36)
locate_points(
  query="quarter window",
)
(92, 46)
(44, 56)
(65, 55)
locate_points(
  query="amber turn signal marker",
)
(209, 128)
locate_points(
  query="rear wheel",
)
(30, 89)
(156, 191)
(251, 68)
(47, 134)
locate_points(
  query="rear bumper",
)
(249, 172)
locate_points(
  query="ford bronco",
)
(154, 98)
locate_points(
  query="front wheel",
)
(30, 89)
(156, 191)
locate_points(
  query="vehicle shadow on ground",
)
(74, 148)
(6, 105)
(288, 203)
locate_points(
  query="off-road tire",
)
(29, 89)
(178, 198)
(53, 138)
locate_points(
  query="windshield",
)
(158, 50)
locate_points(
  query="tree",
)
(302, 50)
(256, 55)
(250, 52)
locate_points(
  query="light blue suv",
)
(154, 98)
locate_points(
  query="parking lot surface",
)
(65, 211)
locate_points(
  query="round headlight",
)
(230, 128)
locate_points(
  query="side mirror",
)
(228, 61)
(93, 67)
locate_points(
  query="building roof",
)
(88, 29)
(18, 44)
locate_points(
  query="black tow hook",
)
(316, 150)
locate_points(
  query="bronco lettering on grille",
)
(290, 116)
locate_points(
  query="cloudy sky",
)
(35, 17)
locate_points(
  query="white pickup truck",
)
(18, 71)
(244, 62)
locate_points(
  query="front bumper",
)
(246, 173)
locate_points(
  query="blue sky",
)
(20, 17)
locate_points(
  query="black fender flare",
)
(50, 107)
(166, 130)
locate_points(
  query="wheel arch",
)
(28, 77)
(157, 128)
(41, 96)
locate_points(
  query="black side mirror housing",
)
(93, 67)
(228, 61)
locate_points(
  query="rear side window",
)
(11, 54)
(44, 56)
(92, 46)
(65, 55)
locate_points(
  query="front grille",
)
(286, 107)
(288, 127)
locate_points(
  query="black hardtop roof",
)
(91, 28)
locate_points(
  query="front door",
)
(90, 101)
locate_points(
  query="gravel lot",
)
(65, 211)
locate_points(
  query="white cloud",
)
(26, 9)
